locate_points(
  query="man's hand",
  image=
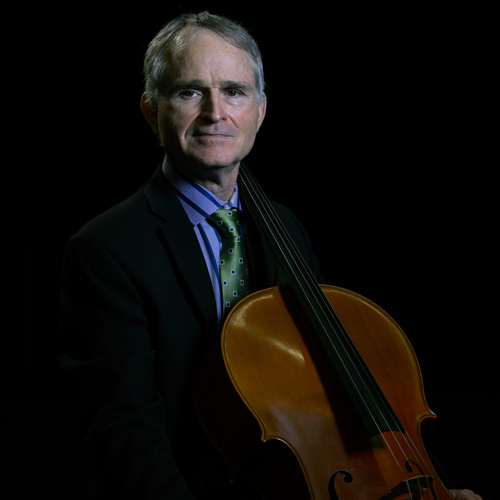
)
(465, 495)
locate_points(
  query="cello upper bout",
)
(385, 349)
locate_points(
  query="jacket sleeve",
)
(106, 349)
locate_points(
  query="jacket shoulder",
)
(144, 210)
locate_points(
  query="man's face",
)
(210, 113)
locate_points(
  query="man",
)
(141, 300)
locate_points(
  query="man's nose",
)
(213, 106)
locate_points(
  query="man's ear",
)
(262, 110)
(150, 113)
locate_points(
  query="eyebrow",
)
(199, 84)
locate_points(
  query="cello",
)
(314, 391)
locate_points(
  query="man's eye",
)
(189, 93)
(233, 92)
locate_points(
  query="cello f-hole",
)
(346, 476)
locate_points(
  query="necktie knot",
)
(226, 222)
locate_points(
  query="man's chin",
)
(196, 167)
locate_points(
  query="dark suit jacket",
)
(137, 312)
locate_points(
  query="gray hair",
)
(169, 41)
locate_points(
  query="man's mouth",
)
(212, 133)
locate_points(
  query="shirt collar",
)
(198, 202)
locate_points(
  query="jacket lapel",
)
(182, 245)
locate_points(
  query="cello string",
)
(291, 245)
(413, 449)
(388, 446)
(275, 228)
(264, 220)
(313, 292)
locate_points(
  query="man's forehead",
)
(193, 41)
(206, 57)
(206, 46)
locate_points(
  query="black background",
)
(378, 134)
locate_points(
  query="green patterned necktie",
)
(233, 268)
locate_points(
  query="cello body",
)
(283, 421)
